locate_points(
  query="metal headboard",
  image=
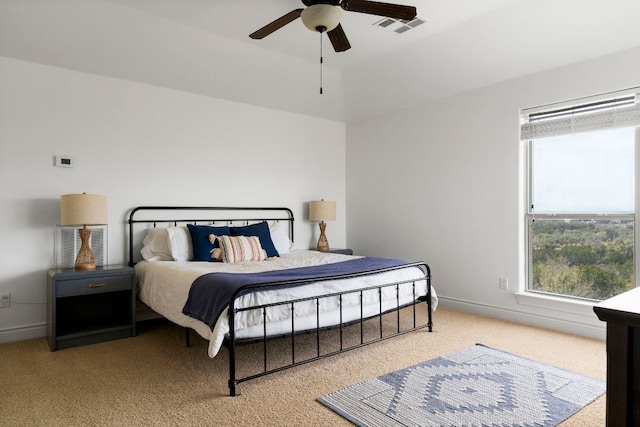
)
(181, 215)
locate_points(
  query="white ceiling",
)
(202, 46)
(236, 19)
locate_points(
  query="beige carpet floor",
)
(154, 380)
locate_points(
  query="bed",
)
(262, 286)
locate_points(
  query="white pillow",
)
(241, 248)
(179, 242)
(280, 236)
(155, 246)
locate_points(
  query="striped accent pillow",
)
(241, 248)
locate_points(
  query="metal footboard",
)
(232, 342)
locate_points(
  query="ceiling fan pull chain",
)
(321, 61)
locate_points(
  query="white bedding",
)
(164, 286)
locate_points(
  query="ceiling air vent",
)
(400, 26)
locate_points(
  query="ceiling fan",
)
(324, 16)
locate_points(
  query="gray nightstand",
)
(86, 307)
(341, 251)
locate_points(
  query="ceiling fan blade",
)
(276, 25)
(396, 11)
(339, 39)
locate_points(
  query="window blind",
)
(613, 113)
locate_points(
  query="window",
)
(581, 177)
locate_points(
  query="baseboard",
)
(28, 332)
(22, 333)
(553, 323)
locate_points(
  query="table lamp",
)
(83, 209)
(322, 210)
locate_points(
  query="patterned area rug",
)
(477, 386)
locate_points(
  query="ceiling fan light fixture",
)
(321, 17)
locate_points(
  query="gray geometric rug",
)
(477, 386)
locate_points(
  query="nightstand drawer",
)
(89, 285)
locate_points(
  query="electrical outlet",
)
(5, 300)
(504, 283)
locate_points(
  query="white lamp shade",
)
(322, 210)
(321, 15)
(81, 209)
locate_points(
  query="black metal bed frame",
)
(231, 342)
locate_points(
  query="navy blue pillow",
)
(261, 230)
(200, 240)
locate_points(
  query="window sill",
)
(550, 302)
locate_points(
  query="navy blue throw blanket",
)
(211, 293)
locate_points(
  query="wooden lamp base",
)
(323, 243)
(85, 259)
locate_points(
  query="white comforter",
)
(164, 286)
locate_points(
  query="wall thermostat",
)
(64, 161)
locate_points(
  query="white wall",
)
(142, 145)
(442, 182)
(439, 182)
